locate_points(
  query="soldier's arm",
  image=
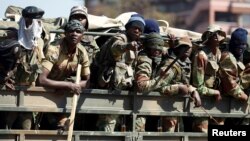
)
(118, 47)
(171, 89)
(143, 73)
(47, 65)
(198, 74)
(229, 76)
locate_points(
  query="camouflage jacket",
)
(146, 74)
(91, 46)
(116, 62)
(179, 73)
(204, 70)
(230, 73)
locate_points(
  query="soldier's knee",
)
(140, 124)
(107, 123)
(169, 123)
(26, 120)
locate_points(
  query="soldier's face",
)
(28, 22)
(214, 40)
(80, 17)
(134, 33)
(155, 52)
(73, 36)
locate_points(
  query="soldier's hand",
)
(217, 95)
(243, 97)
(133, 46)
(75, 88)
(172, 40)
(197, 100)
(183, 89)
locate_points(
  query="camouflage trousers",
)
(107, 123)
(22, 119)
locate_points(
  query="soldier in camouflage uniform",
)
(231, 66)
(231, 69)
(31, 39)
(61, 61)
(116, 63)
(178, 78)
(205, 70)
(147, 70)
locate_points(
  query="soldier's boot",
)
(10, 119)
(26, 120)
(140, 124)
(106, 123)
(200, 125)
(169, 123)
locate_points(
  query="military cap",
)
(32, 12)
(183, 41)
(213, 29)
(154, 41)
(80, 10)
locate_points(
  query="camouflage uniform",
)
(205, 72)
(179, 74)
(232, 72)
(116, 62)
(230, 75)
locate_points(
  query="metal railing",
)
(96, 101)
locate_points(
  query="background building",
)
(193, 15)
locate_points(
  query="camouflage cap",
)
(213, 29)
(79, 10)
(32, 12)
(74, 25)
(183, 41)
(154, 41)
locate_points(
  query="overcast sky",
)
(52, 8)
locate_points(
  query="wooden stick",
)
(74, 103)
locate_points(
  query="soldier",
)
(231, 68)
(147, 69)
(31, 41)
(205, 70)
(61, 61)
(81, 13)
(116, 63)
(178, 79)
